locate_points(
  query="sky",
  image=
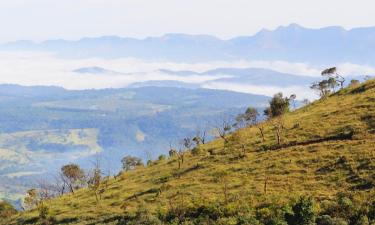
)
(72, 19)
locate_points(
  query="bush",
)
(162, 157)
(327, 220)
(197, 150)
(142, 217)
(43, 211)
(303, 212)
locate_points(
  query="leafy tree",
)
(323, 87)
(278, 106)
(250, 117)
(303, 212)
(162, 157)
(172, 152)
(328, 85)
(74, 175)
(332, 74)
(130, 162)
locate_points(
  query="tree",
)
(130, 162)
(187, 143)
(46, 190)
(328, 85)
(333, 75)
(303, 212)
(250, 117)
(278, 128)
(278, 106)
(224, 128)
(200, 136)
(323, 87)
(95, 178)
(74, 176)
(31, 199)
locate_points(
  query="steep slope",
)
(328, 147)
(43, 128)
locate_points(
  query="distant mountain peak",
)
(94, 70)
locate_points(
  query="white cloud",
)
(302, 92)
(33, 68)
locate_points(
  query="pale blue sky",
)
(73, 19)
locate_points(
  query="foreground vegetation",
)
(315, 165)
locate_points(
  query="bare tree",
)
(200, 136)
(46, 190)
(224, 127)
(278, 128)
(95, 178)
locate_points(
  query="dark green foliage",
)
(141, 217)
(162, 157)
(302, 212)
(278, 106)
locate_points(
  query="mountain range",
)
(329, 45)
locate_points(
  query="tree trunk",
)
(71, 188)
(261, 129)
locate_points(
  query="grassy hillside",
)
(327, 150)
(43, 128)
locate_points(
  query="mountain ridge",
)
(329, 45)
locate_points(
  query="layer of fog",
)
(32, 68)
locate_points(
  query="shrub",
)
(327, 220)
(303, 212)
(43, 211)
(162, 157)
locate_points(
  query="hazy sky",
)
(73, 19)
